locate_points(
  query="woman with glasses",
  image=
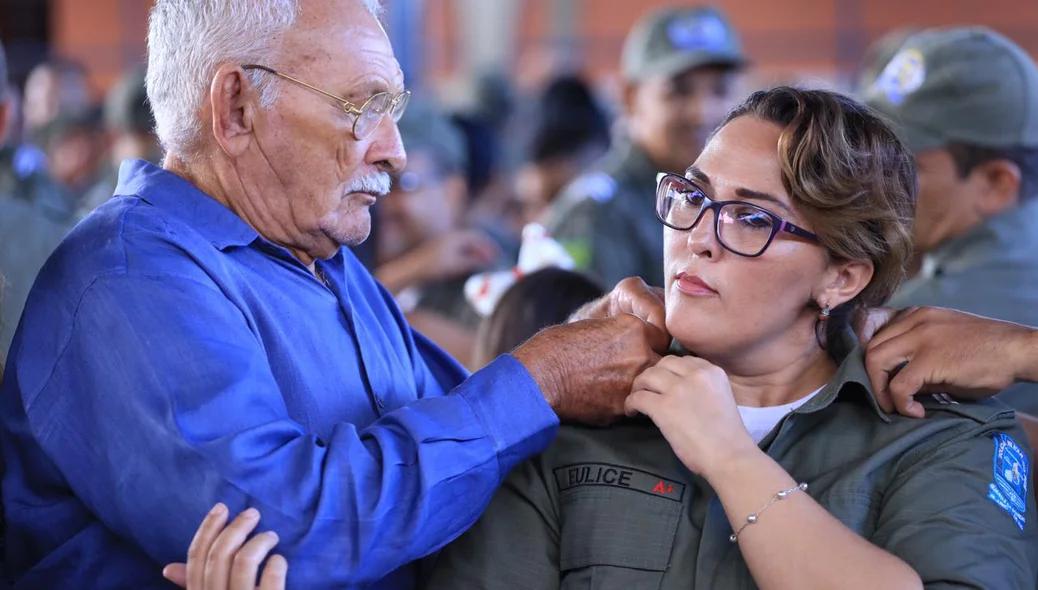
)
(758, 456)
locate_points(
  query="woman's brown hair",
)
(850, 178)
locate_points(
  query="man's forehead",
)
(357, 50)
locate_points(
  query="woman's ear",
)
(844, 280)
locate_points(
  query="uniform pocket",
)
(614, 538)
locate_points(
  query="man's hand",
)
(457, 254)
(934, 350)
(585, 369)
(220, 558)
(630, 296)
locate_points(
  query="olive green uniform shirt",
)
(606, 219)
(613, 508)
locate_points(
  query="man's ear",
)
(999, 188)
(233, 100)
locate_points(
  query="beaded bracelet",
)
(752, 519)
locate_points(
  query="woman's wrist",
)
(733, 463)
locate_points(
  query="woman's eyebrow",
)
(698, 175)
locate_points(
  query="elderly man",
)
(205, 337)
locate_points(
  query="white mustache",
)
(377, 184)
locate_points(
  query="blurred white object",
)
(537, 251)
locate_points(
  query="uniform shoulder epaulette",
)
(982, 411)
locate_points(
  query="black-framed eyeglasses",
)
(366, 116)
(741, 228)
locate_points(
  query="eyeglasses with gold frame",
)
(367, 116)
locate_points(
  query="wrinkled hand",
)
(457, 254)
(630, 296)
(585, 369)
(691, 402)
(932, 350)
(220, 559)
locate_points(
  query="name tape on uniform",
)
(617, 476)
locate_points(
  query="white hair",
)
(187, 42)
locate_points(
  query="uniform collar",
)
(1015, 230)
(634, 162)
(177, 197)
(851, 379)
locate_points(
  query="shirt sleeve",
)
(514, 545)
(945, 515)
(162, 402)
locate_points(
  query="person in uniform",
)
(966, 102)
(679, 68)
(766, 459)
(131, 127)
(29, 230)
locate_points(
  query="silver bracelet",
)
(752, 519)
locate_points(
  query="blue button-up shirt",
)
(170, 358)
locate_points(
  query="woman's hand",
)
(691, 402)
(220, 559)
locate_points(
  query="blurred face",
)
(671, 118)
(946, 205)
(47, 92)
(719, 303)
(423, 205)
(41, 98)
(315, 178)
(538, 183)
(73, 159)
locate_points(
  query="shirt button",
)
(380, 402)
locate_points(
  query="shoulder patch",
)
(1011, 473)
(617, 476)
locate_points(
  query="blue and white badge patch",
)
(905, 73)
(698, 32)
(1012, 469)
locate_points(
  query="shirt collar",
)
(851, 378)
(178, 197)
(1009, 231)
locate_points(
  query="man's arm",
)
(943, 351)
(151, 432)
(1027, 358)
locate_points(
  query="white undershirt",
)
(761, 421)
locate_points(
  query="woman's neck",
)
(778, 374)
